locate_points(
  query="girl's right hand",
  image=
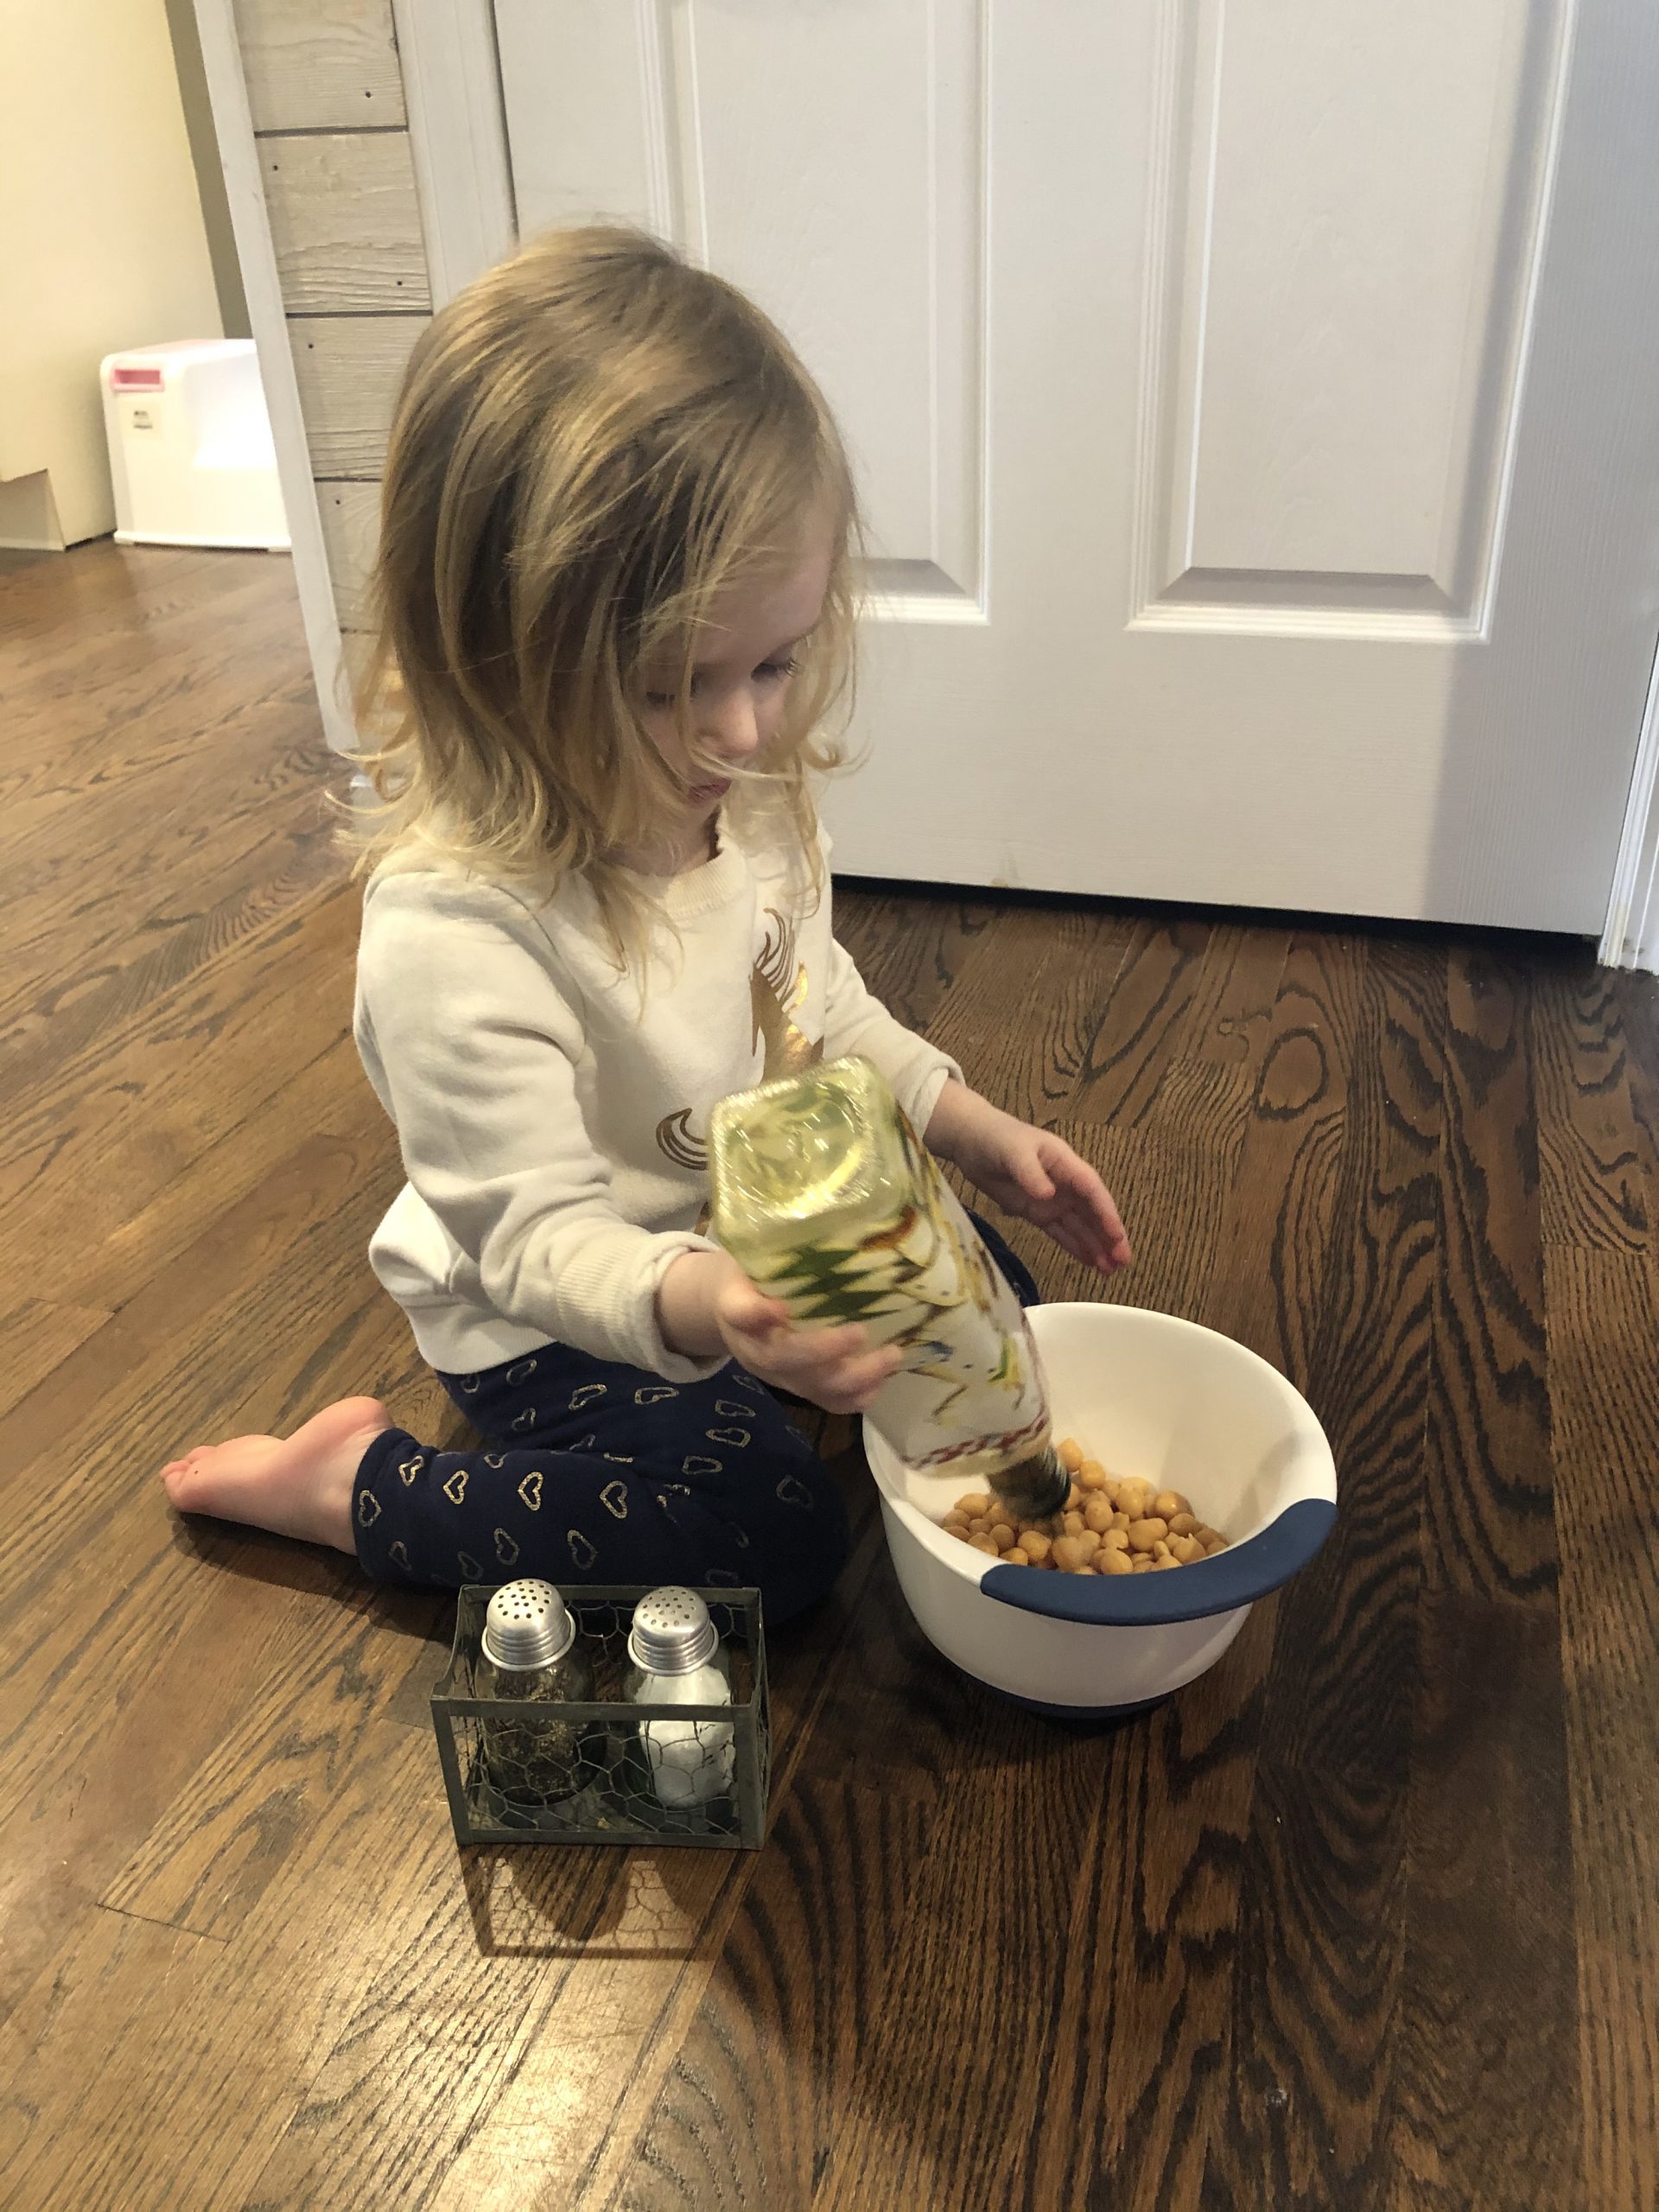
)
(707, 1293)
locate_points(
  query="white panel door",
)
(1253, 400)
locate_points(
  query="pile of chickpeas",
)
(1112, 1526)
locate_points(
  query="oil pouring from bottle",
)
(825, 1197)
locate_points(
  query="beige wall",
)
(102, 241)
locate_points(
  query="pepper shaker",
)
(529, 1651)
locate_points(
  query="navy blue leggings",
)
(591, 1471)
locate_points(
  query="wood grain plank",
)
(1491, 1525)
(752, 2109)
(1321, 1940)
(144, 1115)
(317, 65)
(351, 530)
(1031, 997)
(1604, 1354)
(910, 947)
(38, 1336)
(1483, 2114)
(1594, 1166)
(350, 369)
(346, 223)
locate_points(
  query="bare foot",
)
(297, 1486)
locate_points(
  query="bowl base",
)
(1071, 1711)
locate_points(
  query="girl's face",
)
(739, 684)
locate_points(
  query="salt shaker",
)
(530, 1650)
(678, 1659)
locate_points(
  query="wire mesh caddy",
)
(599, 1769)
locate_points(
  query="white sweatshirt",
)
(553, 1125)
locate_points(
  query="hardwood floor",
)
(1369, 1917)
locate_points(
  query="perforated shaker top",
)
(672, 1633)
(528, 1625)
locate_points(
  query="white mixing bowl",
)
(1145, 1395)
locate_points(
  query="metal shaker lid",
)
(672, 1633)
(528, 1625)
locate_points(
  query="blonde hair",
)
(593, 441)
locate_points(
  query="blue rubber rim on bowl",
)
(1233, 1577)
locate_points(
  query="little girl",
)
(616, 592)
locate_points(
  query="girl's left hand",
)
(1033, 1174)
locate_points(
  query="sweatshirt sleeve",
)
(856, 1022)
(477, 1051)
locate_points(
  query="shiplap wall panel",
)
(320, 65)
(349, 368)
(345, 222)
(351, 528)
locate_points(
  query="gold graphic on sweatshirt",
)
(694, 1465)
(585, 1396)
(582, 1554)
(368, 1509)
(455, 1489)
(469, 1567)
(615, 1499)
(738, 1436)
(505, 1550)
(409, 1469)
(653, 1393)
(400, 1553)
(778, 990)
(531, 1489)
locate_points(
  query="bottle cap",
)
(672, 1633)
(528, 1625)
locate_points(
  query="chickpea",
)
(1120, 1519)
(1074, 1524)
(1015, 1556)
(1069, 1555)
(954, 1520)
(1168, 1503)
(1141, 1564)
(1113, 1562)
(1159, 1565)
(1160, 1550)
(1143, 1535)
(1184, 1551)
(984, 1544)
(962, 1535)
(1182, 1524)
(1090, 1542)
(1116, 1539)
(1097, 1515)
(1069, 1452)
(1074, 1499)
(1133, 1498)
(1091, 1475)
(1036, 1545)
(1219, 1545)
(1002, 1535)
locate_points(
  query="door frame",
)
(1630, 938)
